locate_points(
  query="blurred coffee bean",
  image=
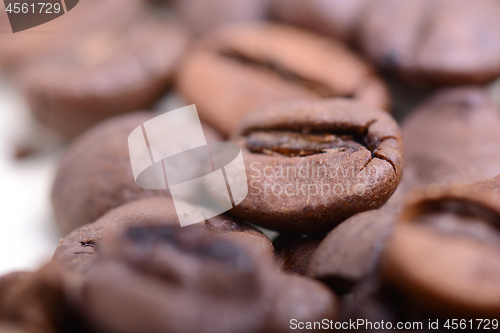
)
(445, 250)
(253, 65)
(202, 16)
(95, 175)
(167, 279)
(350, 251)
(376, 301)
(124, 66)
(429, 42)
(302, 299)
(311, 165)
(77, 251)
(451, 139)
(293, 252)
(489, 189)
(336, 18)
(34, 302)
(19, 49)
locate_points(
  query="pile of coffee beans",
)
(371, 143)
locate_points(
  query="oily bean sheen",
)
(94, 174)
(350, 251)
(169, 279)
(430, 42)
(445, 250)
(311, 165)
(253, 65)
(123, 66)
(77, 251)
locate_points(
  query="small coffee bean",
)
(183, 280)
(253, 65)
(350, 251)
(293, 252)
(311, 165)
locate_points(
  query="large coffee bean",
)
(350, 251)
(167, 279)
(445, 250)
(254, 65)
(77, 251)
(95, 175)
(311, 165)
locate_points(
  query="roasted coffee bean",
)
(488, 189)
(376, 301)
(169, 279)
(311, 165)
(254, 65)
(350, 251)
(293, 252)
(124, 66)
(77, 251)
(445, 250)
(34, 302)
(451, 139)
(203, 16)
(337, 18)
(433, 41)
(19, 49)
(95, 175)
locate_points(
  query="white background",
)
(28, 235)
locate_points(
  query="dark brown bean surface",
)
(350, 251)
(445, 251)
(254, 65)
(77, 251)
(34, 302)
(293, 252)
(150, 271)
(97, 168)
(344, 158)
